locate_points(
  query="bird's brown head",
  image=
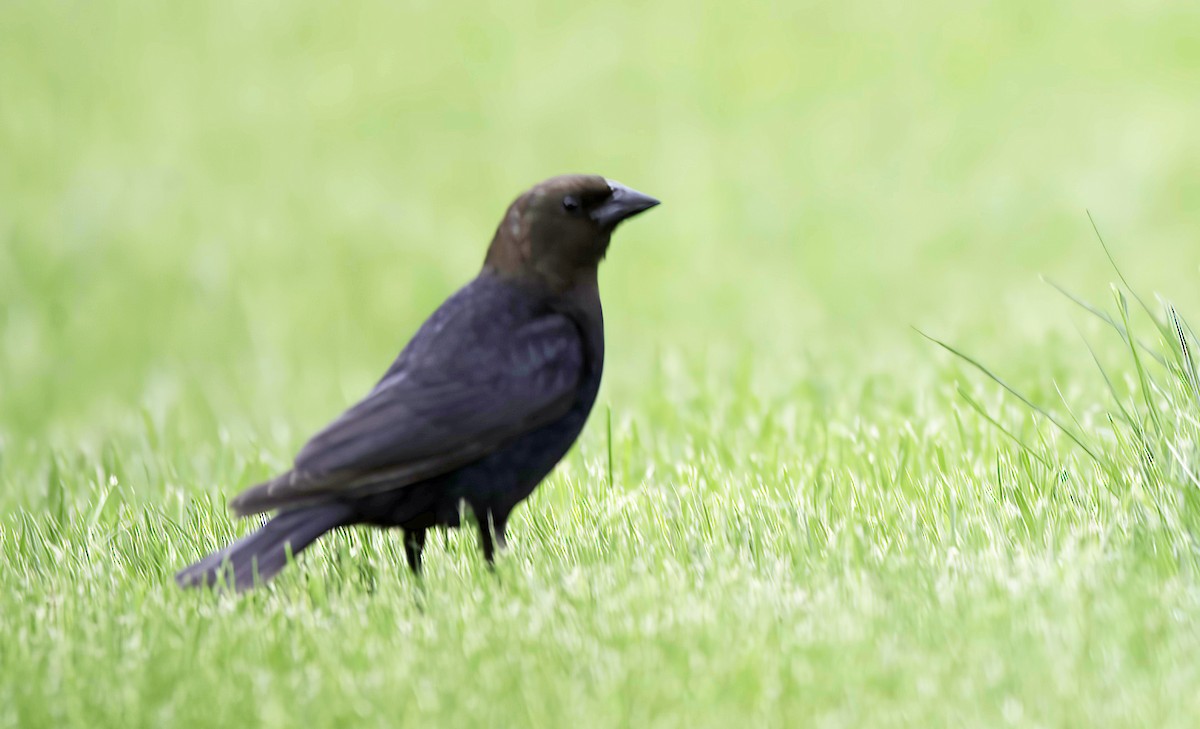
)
(559, 230)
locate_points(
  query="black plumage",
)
(485, 399)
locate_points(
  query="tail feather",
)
(260, 556)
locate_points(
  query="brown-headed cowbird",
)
(483, 402)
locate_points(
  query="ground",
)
(220, 221)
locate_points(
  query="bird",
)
(476, 410)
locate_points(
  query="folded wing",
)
(445, 404)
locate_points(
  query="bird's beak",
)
(624, 202)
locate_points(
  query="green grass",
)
(219, 221)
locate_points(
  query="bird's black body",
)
(496, 483)
(481, 404)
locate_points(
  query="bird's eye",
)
(571, 204)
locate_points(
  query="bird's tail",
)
(260, 556)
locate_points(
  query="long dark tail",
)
(260, 556)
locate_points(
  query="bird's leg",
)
(499, 525)
(485, 539)
(414, 543)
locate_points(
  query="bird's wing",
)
(450, 403)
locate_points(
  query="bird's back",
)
(496, 362)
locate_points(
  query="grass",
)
(219, 222)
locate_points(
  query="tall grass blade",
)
(1017, 394)
(1143, 379)
(1162, 328)
(996, 424)
(1185, 350)
(1104, 317)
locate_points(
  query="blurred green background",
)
(250, 206)
(219, 221)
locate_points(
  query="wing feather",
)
(450, 399)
